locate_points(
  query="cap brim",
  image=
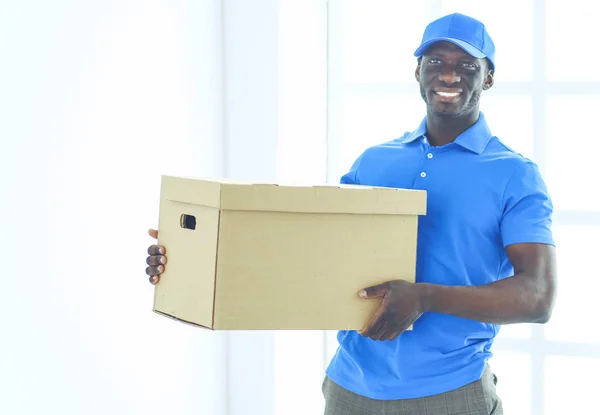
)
(471, 50)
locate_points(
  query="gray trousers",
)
(477, 398)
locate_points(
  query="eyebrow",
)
(441, 55)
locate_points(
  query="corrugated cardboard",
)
(274, 257)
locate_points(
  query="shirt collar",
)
(475, 138)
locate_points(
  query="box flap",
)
(252, 196)
(324, 199)
(193, 191)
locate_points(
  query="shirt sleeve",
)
(352, 176)
(528, 208)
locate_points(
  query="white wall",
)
(98, 99)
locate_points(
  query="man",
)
(485, 248)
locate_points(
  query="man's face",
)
(451, 80)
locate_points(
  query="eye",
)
(468, 65)
(434, 61)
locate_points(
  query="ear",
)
(489, 80)
(418, 73)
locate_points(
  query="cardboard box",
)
(248, 256)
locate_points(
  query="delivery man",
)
(485, 253)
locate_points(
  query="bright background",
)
(99, 98)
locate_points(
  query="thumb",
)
(374, 291)
(153, 233)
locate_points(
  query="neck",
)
(442, 130)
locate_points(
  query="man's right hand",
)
(156, 259)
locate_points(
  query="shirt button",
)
(429, 155)
(423, 174)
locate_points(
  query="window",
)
(536, 108)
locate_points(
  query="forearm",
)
(518, 299)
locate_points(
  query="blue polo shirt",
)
(481, 197)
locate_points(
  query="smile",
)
(447, 94)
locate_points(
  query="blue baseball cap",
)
(464, 31)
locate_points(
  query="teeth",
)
(448, 94)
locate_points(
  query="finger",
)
(403, 326)
(153, 233)
(374, 291)
(385, 333)
(154, 279)
(155, 260)
(375, 323)
(398, 331)
(155, 270)
(156, 250)
(396, 334)
(379, 331)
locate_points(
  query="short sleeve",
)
(352, 176)
(528, 208)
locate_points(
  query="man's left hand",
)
(401, 306)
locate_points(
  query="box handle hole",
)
(188, 221)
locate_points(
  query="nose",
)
(448, 75)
